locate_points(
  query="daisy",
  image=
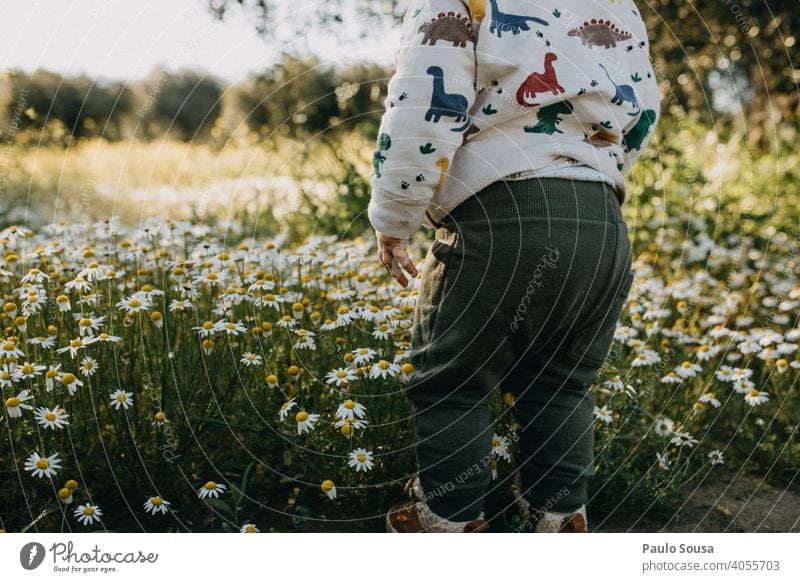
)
(349, 410)
(88, 366)
(286, 407)
(363, 356)
(683, 439)
(710, 398)
(28, 371)
(340, 376)
(672, 378)
(328, 488)
(271, 380)
(361, 460)
(305, 421)
(501, 447)
(251, 359)
(206, 330)
(42, 466)
(615, 383)
(211, 489)
(121, 398)
(51, 417)
(724, 374)
(304, 341)
(134, 304)
(249, 528)
(755, 397)
(15, 404)
(65, 495)
(664, 426)
(77, 344)
(663, 461)
(156, 504)
(383, 369)
(603, 414)
(715, 457)
(406, 371)
(87, 514)
(688, 370)
(71, 382)
(230, 327)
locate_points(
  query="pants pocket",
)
(432, 290)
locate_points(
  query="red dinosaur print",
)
(539, 83)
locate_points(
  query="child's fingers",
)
(401, 255)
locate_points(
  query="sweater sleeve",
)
(427, 112)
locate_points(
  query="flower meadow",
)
(176, 376)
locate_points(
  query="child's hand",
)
(393, 253)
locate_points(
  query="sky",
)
(127, 39)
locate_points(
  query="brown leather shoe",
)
(416, 517)
(551, 522)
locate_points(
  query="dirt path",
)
(728, 503)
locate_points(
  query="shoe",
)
(414, 516)
(546, 521)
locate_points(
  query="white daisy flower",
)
(349, 410)
(287, 406)
(683, 439)
(249, 528)
(121, 398)
(756, 397)
(603, 414)
(664, 426)
(383, 369)
(501, 447)
(361, 460)
(88, 514)
(251, 359)
(340, 376)
(42, 466)
(16, 404)
(711, 399)
(663, 461)
(211, 489)
(156, 504)
(70, 382)
(363, 356)
(688, 370)
(715, 457)
(305, 421)
(52, 418)
(329, 489)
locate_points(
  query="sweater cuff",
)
(400, 219)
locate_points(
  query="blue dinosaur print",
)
(444, 103)
(513, 23)
(623, 93)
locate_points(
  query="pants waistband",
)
(541, 197)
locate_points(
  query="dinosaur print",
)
(539, 83)
(513, 23)
(473, 129)
(635, 137)
(623, 93)
(450, 27)
(477, 8)
(547, 118)
(443, 164)
(384, 143)
(599, 33)
(447, 104)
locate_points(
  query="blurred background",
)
(187, 107)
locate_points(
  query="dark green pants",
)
(521, 290)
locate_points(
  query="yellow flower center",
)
(42, 464)
(406, 368)
(50, 416)
(341, 374)
(349, 404)
(210, 485)
(230, 325)
(687, 364)
(68, 378)
(156, 501)
(361, 457)
(753, 393)
(76, 343)
(88, 510)
(13, 402)
(134, 303)
(160, 417)
(64, 493)
(327, 485)
(250, 528)
(383, 365)
(121, 397)
(343, 310)
(72, 484)
(85, 322)
(301, 416)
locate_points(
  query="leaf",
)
(220, 506)
(44, 513)
(489, 110)
(238, 492)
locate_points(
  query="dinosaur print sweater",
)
(485, 90)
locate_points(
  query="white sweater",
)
(499, 89)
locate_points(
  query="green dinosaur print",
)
(489, 110)
(636, 78)
(449, 27)
(384, 143)
(427, 149)
(548, 118)
(635, 137)
(557, 13)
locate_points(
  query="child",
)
(509, 127)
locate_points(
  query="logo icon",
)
(31, 555)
